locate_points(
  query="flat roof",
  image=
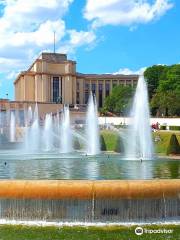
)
(53, 57)
(113, 76)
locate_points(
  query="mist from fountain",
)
(34, 132)
(92, 127)
(65, 132)
(12, 127)
(28, 120)
(54, 133)
(47, 133)
(29, 115)
(57, 123)
(139, 144)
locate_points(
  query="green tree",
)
(171, 80)
(166, 102)
(164, 89)
(153, 75)
(119, 100)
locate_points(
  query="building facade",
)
(52, 78)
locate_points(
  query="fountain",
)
(57, 122)
(140, 143)
(12, 127)
(80, 195)
(92, 128)
(66, 134)
(29, 115)
(34, 132)
(28, 120)
(47, 133)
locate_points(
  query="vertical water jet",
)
(92, 127)
(140, 143)
(66, 133)
(35, 131)
(47, 134)
(12, 127)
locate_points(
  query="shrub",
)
(173, 147)
(76, 144)
(162, 127)
(119, 146)
(175, 128)
(122, 126)
(110, 139)
(102, 143)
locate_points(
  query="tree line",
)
(163, 88)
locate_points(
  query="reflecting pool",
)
(53, 165)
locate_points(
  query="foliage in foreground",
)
(84, 233)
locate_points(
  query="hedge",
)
(119, 148)
(162, 127)
(173, 147)
(76, 144)
(102, 143)
(175, 128)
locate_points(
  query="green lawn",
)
(110, 139)
(9, 232)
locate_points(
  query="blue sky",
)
(103, 36)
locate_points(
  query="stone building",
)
(52, 78)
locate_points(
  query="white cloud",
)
(24, 14)
(24, 22)
(127, 71)
(77, 39)
(42, 36)
(7, 63)
(121, 12)
(12, 75)
(27, 28)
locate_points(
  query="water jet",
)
(139, 144)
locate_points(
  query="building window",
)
(56, 89)
(107, 89)
(128, 83)
(122, 82)
(77, 86)
(86, 97)
(86, 86)
(77, 98)
(100, 95)
(86, 92)
(114, 83)
(93, 88)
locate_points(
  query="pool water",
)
(54, 165)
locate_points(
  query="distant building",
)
(52, 78)
(52, 81)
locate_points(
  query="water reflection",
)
(14, 165)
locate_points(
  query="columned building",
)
(52, 78)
